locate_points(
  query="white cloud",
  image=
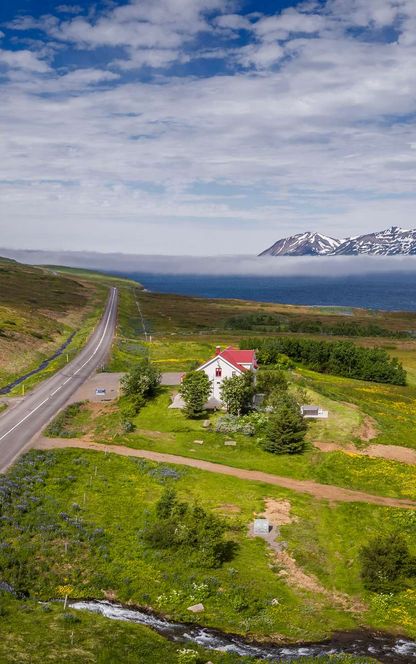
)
(25, 60)
(313, 129)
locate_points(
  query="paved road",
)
(18, 426)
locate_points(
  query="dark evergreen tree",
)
(286, 429)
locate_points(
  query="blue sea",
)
(394, 291)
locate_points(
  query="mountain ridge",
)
(393, 241)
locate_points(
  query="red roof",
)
(239, 357)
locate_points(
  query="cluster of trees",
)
(179, 526)
(346, 328)
(236, 393)
(341, 358)
(387, 564)
(283, 430)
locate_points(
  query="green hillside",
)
(39, 310)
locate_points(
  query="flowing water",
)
(384, 647)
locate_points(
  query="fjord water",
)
(392, 291)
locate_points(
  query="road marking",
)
(110, 311)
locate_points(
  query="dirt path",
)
(321, 491)
(389, 452)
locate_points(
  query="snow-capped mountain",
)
(303, 244)
(393, 241)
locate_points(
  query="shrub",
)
(142, 381)
(386, 563)
(187, 656)
(188, 528)
(195, 390)
(237, 393)
(285, 431)
(232, 424)
(268, 381)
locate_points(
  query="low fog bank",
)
(331, 266)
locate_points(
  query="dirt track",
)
(389, 452)
(320, 491)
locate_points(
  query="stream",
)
(8, 388)
(384, 647)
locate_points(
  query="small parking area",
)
(99, 387)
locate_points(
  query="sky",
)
(204, 127)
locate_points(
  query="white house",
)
(225, 364)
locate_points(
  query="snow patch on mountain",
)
(389, 242)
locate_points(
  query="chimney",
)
(218, 350)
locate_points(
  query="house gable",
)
(217, 360)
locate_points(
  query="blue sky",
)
(204, 126)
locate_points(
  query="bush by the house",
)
(269, 380)
(231, 424)
(195, 390)
(340, 358)
(237, 393)
(386, 564)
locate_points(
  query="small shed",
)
(310, 411)
(261, 527)
(314, 412)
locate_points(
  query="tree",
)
(143, 380)
(285, 431)
(386, 563)
(195, 390)
(237, 393)
(139, 384)
(268, 381)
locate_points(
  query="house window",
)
(218, 372)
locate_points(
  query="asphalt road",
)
(27, 418)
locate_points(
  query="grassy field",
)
(72, 525)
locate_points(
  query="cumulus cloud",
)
(23, 59)
(308, 122)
